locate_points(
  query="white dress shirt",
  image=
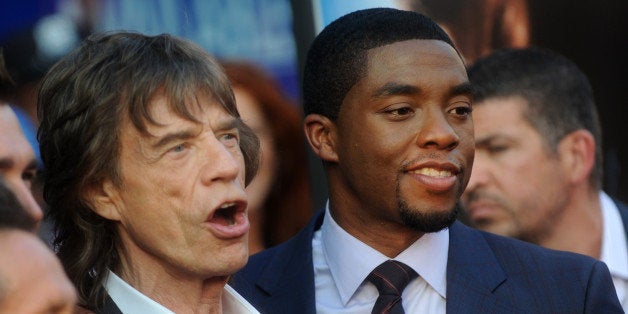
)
(131, 301)
(342, 263)
(614, 248)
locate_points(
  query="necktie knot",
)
(390, 278)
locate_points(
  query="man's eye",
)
(400, 111)
(230, 139)
(29, 175)
(179, 148)
(462, 111)
(496, 148)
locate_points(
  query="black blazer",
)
(623, 211)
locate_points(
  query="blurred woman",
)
(279, 196)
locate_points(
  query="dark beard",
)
(428, 221)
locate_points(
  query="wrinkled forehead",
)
(188, 104)
(12, 139)
(8, 119)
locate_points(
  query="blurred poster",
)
(256, 30)
(326, 11)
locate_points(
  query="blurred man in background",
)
(31, 278)
(537, 173)
(18, 165)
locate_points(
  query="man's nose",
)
(25, 195)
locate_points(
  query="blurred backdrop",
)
(275, 34)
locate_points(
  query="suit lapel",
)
(473, 273)
(294, 286)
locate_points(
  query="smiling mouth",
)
(431, 172)
(435, 179)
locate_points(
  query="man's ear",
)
(103, 199)
(577, 153)
(321, 134)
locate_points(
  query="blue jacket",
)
(486, 273)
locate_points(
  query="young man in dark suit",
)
(388, 110)
(18, 165)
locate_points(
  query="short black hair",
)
(558, 94)
(336, 59)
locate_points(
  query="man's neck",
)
(580, 228)
(388, 237)
(177, 293)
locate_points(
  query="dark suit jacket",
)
(485, 274)
(623, 211)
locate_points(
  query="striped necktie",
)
(390, 278)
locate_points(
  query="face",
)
(181, 206)
(32, 278)
(251, 112)
(18, 165)
(517, 187)
(405, 136)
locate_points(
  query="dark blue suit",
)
(623, 211)
(485, 274)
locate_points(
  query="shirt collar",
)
(614, 248)
(130, 300)
(232, 302)
(350, 260)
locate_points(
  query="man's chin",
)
(231, 261)
(503, 230)
(430, 220)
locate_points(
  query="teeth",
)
(433, 172)
(227, 210)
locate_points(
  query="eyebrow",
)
(463, 89)
(228, 124)
(224, 124)
(484, 141)
(392, 88)
(174, 136)
(7, 163)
